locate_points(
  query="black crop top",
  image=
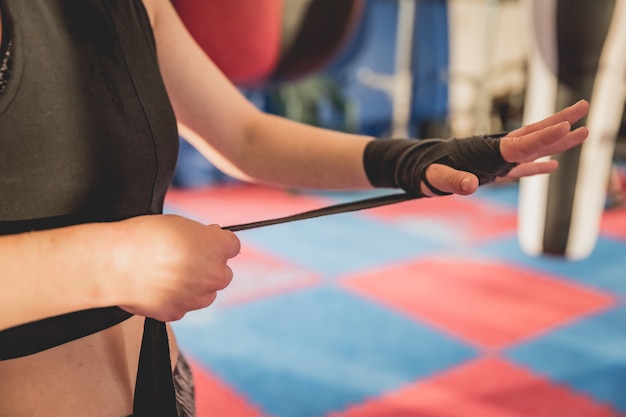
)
(87, 134)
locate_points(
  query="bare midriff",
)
(89, 377)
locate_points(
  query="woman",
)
(88, 146)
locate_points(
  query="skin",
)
(164, 266)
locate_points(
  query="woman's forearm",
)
(159, 266)
(47, 273)
(288, 153)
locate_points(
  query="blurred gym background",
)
(386, 68)
(428, 308)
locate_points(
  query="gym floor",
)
(423, 308)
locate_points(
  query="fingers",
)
(178, 265)
(449, 180)
(532, 168)
(549, 136)
(231, 245)
(228, 245)
(570, 140)
(547, 141)
(570, 114)
(527, 147)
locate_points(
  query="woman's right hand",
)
(167, 265)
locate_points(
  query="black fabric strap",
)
(44, 334)
(335, 209)
(402, 163)
(154, 390)
(432, 188)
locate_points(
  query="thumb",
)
(449, 180)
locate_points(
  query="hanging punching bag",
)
(578, 50)
(242, 37)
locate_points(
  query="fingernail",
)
(465, 184)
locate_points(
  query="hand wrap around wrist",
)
(402, 163)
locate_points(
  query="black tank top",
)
(87, 134)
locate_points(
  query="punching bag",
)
(242, 37)
(578, 51)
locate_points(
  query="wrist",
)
(82, 256)
(52, 272)
(402, 163)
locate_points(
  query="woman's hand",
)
(159, 266)
(524, 145)
(166, 265)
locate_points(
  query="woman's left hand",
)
(550, 136)
(524, 146)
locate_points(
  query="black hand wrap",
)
(402, 163)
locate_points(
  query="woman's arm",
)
(156, 266)
(42, 281)
(274, 150)
(262, 147)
